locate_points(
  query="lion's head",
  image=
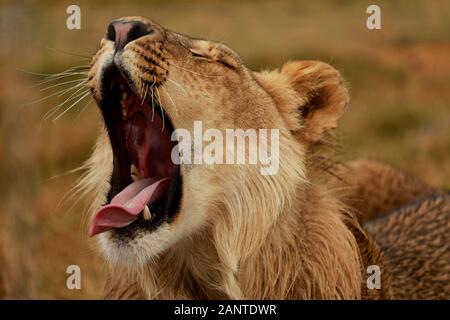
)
(150, 82)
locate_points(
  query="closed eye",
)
(197, 54)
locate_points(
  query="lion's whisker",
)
(153, 103)
(187, 70)
(73, 104)
(82, 110)
(72, 88)
(160, 106)
(81, 56)
(179, 86)
(52, 75)
(173, 103)
(145, 94)
(58, 93)
(70, 74)
(63, 83)
(139, 89)
(81, 84)
(53, 110)
(76, 92)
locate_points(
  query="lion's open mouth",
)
(145, 182)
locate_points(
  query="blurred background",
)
(399, 78)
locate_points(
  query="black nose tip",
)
(123, 32)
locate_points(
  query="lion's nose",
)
(123, 32)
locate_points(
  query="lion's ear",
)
(322, 96)
(310, 96)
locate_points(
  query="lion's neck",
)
(294, 244)
(308, 253)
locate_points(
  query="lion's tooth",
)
(146, 214)
(124, 109)
(134, 173)
(124, 95)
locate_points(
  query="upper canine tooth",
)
(124, 110)
(134, 173)
(146, 214)
(124, 95)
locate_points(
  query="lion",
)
(375, 188)
(171, 230)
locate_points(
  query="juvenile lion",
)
(217, 231)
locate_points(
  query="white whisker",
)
(145, 94)
(59, 93)
(53, 110)
(63, 83)
(139, 88)
(160, 106)
(80, 56)
(48, 75)
(179, 86)
(66, 75)
(173, 103)
(73, 95)
(72, 88)
(71, 106)
(82, 110)
(199, 74)
(153, 105)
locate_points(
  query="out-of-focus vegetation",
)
(399, 78)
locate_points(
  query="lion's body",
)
(410, 244)
(375, 188)
(209, 265)
(407, 228)
(415, 241)
(239, 234)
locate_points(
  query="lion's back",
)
(416, 243)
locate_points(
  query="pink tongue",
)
(126, 205)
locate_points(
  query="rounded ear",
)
(310, 95)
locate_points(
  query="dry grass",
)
(399, 78)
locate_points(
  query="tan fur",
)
(407, 223)
(239, 234)
(2, 279)
(416, 243)
(373, 189)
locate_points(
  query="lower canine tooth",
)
(124, 110)
(146, 214)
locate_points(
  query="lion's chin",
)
(138, 252)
